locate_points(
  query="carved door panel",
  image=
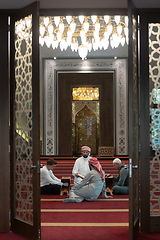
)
(24, 123)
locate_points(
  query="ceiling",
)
(14, 4)
(50, 53)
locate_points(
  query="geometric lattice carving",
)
(155, 128)
(50, 145)
(105, 151)
(49, 112)
(154, 76)
(122, 145)
(23, 119)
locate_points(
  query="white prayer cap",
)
(117, 160)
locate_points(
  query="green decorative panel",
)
(154, 77)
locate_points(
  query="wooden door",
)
(150, 120)
(133, 98)
(25, 139)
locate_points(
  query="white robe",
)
(47, 177)
(81, 166)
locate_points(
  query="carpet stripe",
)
(84, 217)
(54, 200)
(84, 210)
(85, 224)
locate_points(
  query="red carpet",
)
(100, 220)
(104, 219)
(86, 220)
(10, 236)
(85, 233)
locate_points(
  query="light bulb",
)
(47, 40)
(105, 44)
(93, 18)
(126, 20)
(42, 30)
(46, 21)
(89, 44)
(28, 23)
(109, 28)
(82, 50)
(106, 19)
(106, 34)
(112, 42)
(122, 39)
(62, 44)
(97, 26)
(86, 26)
(69, 19)
(117, 19)
(73, 26)
(56, 20)
(81, 18)
(50, 29)
(41, 40)
(61, 26)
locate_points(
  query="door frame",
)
(133, 114)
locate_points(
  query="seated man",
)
(48, 182)
(81, 165)
(121, 182)
(91, 185)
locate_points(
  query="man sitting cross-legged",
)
(121, 182)
(49, 183)
(91, 185)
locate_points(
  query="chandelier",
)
(83, 33)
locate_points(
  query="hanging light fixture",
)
(82, 33)
(83, 51)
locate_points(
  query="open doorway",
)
(65, 62)
(61, 59)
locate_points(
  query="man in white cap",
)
(81, 165)
(121, 182)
